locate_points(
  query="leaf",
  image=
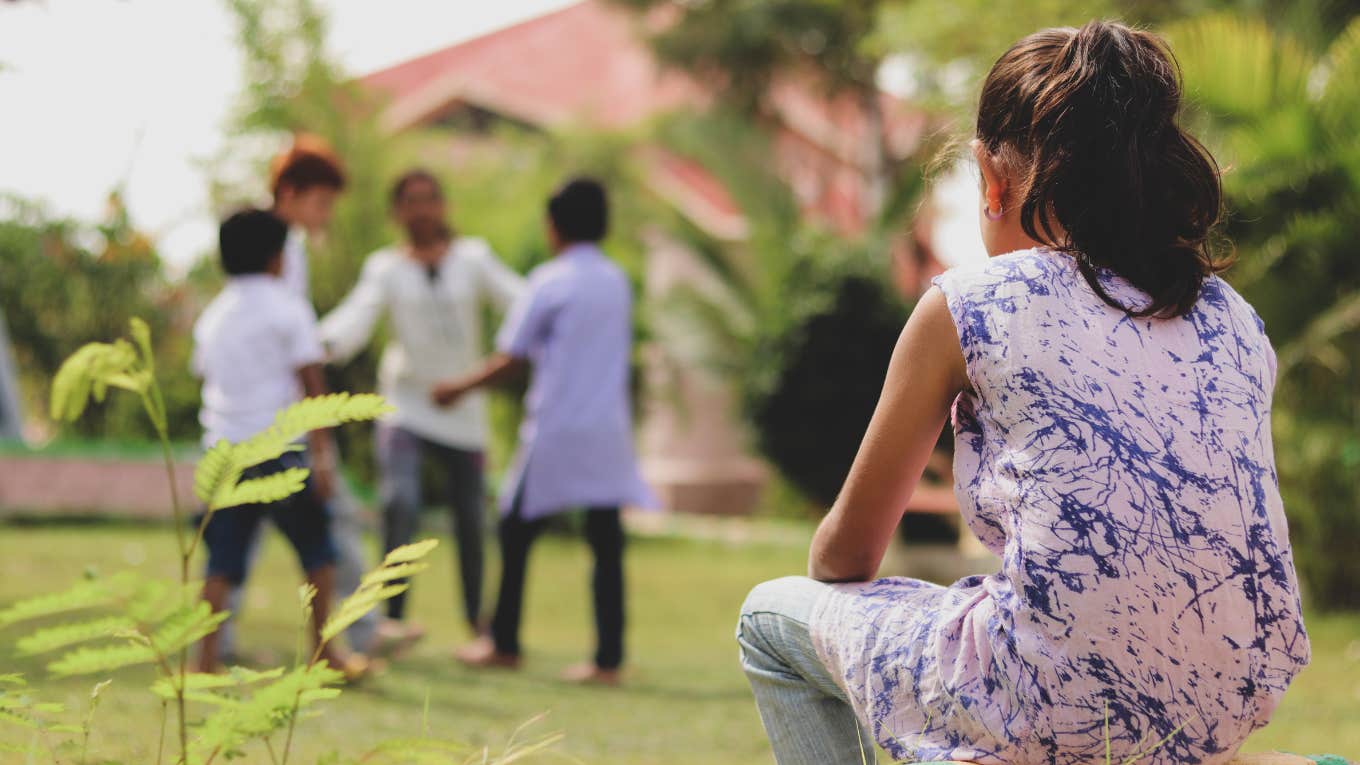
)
(391, 573)
(269, 709)
(186, 626)
(1322, 331)
(217, 478)
(270, 488)
(373, 588)
(83, 595)
(66, 635)
(410, 553)
(353, 608)
(212, 471)
(15, 718)
(98, 660)
(88, 372)
(235, 677)
(1239, 67)
(71, 384)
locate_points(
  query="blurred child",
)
(257, 350)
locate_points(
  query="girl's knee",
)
(793, 597)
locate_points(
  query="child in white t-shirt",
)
(257, 350)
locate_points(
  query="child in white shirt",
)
(257, 350)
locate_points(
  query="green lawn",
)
(686, 701)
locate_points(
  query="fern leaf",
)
(270, 488)
(154, 599)
(212, 471)
(391, 573)
(267, 710)
(19, 719)
(97, 660)
(185, 626)
(217, 480)
(236, 677)
(66, 635)
(83, 595)
(410, 553)
(356, 606)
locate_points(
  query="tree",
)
(745, 46)
(1281, 116)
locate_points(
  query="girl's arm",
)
(926, 373)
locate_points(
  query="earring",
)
(987, 210)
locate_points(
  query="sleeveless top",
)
(1123, 470)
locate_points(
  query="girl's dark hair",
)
(1086, 118)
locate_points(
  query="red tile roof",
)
(583, 63)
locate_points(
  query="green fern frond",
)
(217, 477)
(329, 411)
(187, 625)
(356, 606)
(89, 594)
(19, 719)
(67, 635)
(391, 573)
(97, 660)
(267, 710)
(154, 599)
(375, 588)
(236, 677)
(270, 488)
(410, 553)
(212, 471)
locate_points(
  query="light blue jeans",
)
(806, 715)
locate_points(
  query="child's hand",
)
(447, 393)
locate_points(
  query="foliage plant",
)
(124, 620)
(1281, 113)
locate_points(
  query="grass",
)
(686, 701)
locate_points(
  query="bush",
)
(816, 373)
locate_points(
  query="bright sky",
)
(93, 92)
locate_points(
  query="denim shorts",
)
(303, 518)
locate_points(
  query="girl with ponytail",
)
(1110, 398)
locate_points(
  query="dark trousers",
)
(400, 454)
(604, 534)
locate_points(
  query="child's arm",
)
(528, 323)
(347, 329)
(499, 369)
(320, 446)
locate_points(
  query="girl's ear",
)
(994, 183)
